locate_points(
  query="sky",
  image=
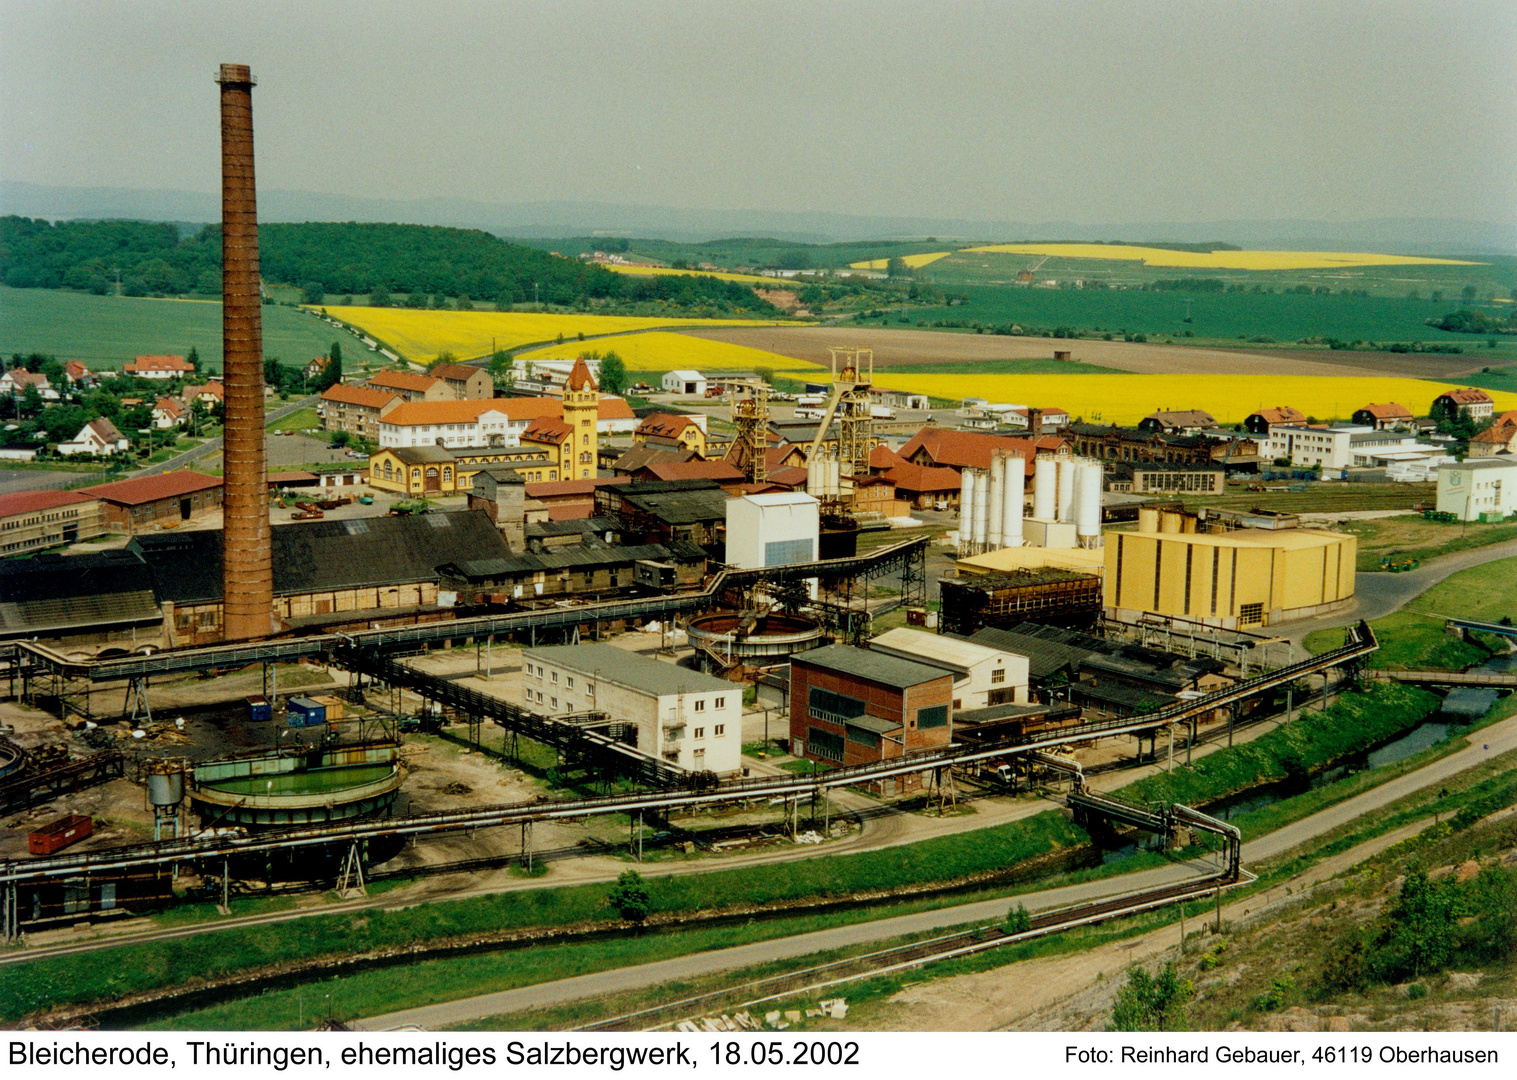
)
(1094, 111)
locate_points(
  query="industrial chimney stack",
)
(248, 575)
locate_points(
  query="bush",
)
(1152, 1002)
(630, 897)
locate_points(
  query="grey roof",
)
(1123, 696)
(572, 527)
(875, 667)
(679, 507)
(992, 713)
(632, 669)
(50, 593)
(1051, 648)
(573, 555)
(422, 455)
(313, 556)
(874, 723)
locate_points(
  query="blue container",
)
(303, 712)
(259, 708)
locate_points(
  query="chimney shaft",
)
(248, 577)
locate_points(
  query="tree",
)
(380, 297)
(444, 357)
(193, 359)
(331, 374)
(1151, 1002)
(1422, 927)
(1468, 293)
(613, 374)
(896, 267)
(501, 370)
(630, 897)
(313, 292)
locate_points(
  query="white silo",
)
(1044, 488)
(966, 510)
(1066, 489)
(981, 508)
(997, 496)
(1088, 507)
(1015, 483)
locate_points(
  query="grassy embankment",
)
(1414, 638)
(299, 420)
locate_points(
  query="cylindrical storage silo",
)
(997, 494)
(1066, 504)
(1169, 522)
(165, 783)
(1088, 505)
(1148, 519)
(1011, 502)
(966, 510)
(1045, 485)
(982, 508)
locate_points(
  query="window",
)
(569, 682)
(553, 678)
(700, 733)
(998, 675)
(719, 730)
(933, 717)
(1251, 614)
(721, 703)
(838, 708)
(700, 705)
(824, 744)
(553, 702)
(207, 619)
(863, 737)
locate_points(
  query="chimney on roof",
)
(248, 575)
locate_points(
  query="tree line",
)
(341, 259)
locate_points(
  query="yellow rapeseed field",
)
(1126, 399)
(421, 335)
(1218, 260)
(659, 351)
(912, 261)
(745, 279)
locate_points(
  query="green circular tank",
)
(281, 790)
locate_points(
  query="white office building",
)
(1482, 489)
(981, 676)
(684, 717)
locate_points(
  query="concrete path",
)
(1497, 739)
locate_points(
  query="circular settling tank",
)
(769, 640)
(279, 789)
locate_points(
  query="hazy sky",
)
(1033, 111)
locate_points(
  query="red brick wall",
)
(884, 702)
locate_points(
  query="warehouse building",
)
(852, 706)
(588, 569)
(33, 520)
(132, 506)
(63, 600)
(982, 676)
(684, 717)
(1233, 579)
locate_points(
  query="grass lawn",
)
(1412, 537)
(1414, 638)
(108, 331)
(299, 420)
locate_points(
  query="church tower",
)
(581, 411)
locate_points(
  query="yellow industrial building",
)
(1231, 579)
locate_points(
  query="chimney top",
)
(236, 75)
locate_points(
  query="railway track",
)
(835, 973)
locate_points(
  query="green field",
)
(1264, 318)
(108, 331)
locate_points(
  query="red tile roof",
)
(1506, 419)
(921, 478)
(171, 406)
(518, 409)
(665, 425)
(1468, 396)
(159, 363)
(547, 429)
(275, 478)
(146, 489)
(1388, 411)
(365, 396)
(454, 372)
(1496, 434)
(791, 477)
(1283, 414)
(29, 502)
(693, 470)
(614, 408)
(882, 458)
(404, 380)
(973, 450)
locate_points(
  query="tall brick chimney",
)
(248, 574)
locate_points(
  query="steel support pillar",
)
(350, 883)
(136, 700)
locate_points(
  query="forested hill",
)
(337, 259)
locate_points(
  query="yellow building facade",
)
(1234, 580)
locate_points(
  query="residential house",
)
(16, 381)
(210, 393)
(160, 367)
(411, 386)
(79, 374)
(98, 438)
(466, 383)
(169, 413)
(1477, 403)
(1258, 423)
(1181, 422)
(314, 367)
(356, 410)
(1383, 417)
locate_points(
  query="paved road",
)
(1494, 740)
